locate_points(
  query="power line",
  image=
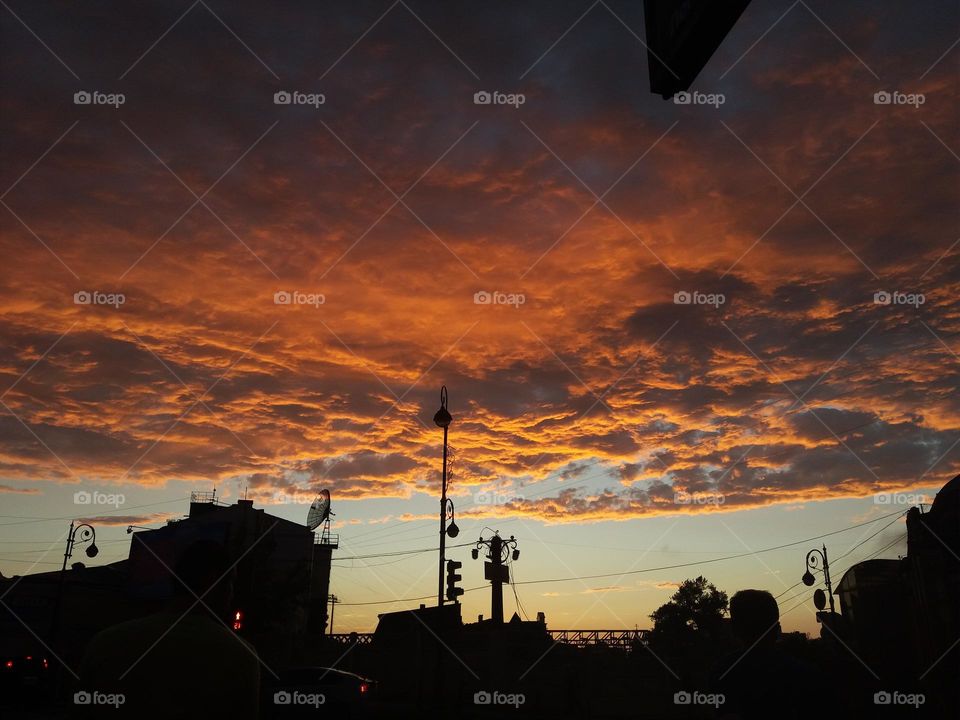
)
(57, 547)
(819, 570)
(651, 569)
(513, 585)
(395, 553)
(413, 599)
(867, 539)
(896, 540)
(102, 512)
(704, 562)
(401, 552)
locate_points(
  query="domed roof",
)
(947, 501)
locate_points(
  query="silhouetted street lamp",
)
(81, 533)
(808, 579)
(443, 419)
(452, 529)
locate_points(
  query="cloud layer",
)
(382, 213)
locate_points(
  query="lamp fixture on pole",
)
(814, 558)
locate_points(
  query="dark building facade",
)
(902, 617)
(281, 585)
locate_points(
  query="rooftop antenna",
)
(319, 514)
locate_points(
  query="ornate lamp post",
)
(443, 419)
(814, 558)
(495, 569)
(81, 533)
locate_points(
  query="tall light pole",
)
(443, 419)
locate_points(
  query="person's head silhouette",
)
(755, 617)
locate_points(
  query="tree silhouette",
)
(696, 607)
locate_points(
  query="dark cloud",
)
(580, 382)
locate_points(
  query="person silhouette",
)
(760, 680)
(182, 662)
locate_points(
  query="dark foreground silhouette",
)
(182, 662)
(760, 680)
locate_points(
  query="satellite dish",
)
(319, 510)
(820, 599)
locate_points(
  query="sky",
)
(670, 332)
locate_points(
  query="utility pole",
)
(496, 579)
(495, 569)
(333, 603)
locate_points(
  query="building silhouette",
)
(902, 617)
(281, 586)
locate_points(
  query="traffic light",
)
(453, 577)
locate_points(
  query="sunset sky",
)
(591, 406)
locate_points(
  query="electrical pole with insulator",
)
(496, 570)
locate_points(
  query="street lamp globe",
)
(443, 418)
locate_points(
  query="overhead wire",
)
(101, 512)
(653, 569)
